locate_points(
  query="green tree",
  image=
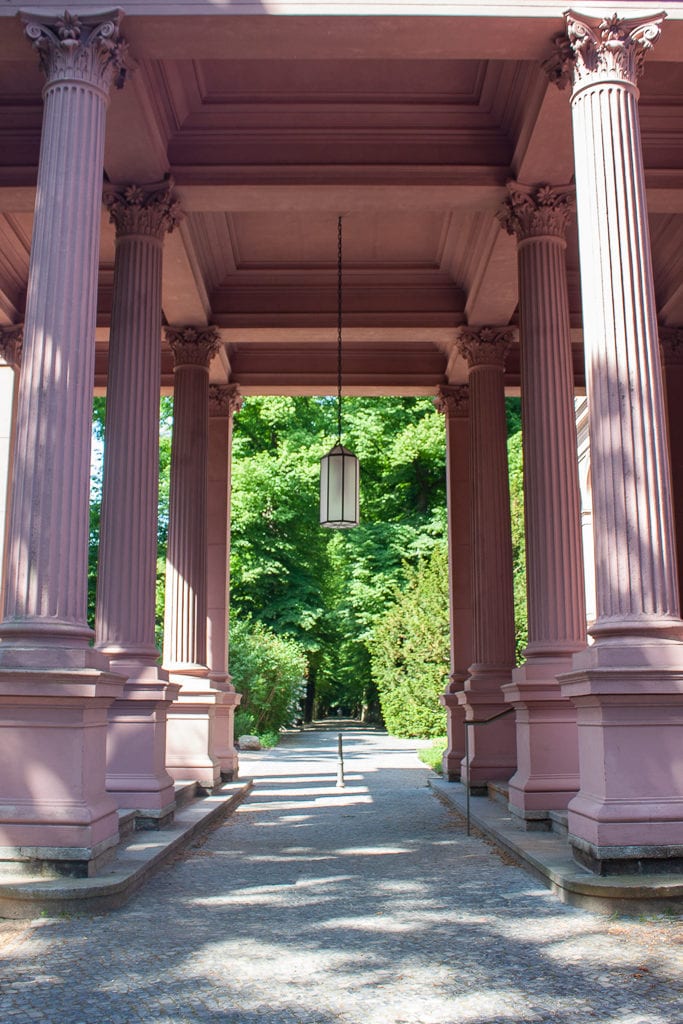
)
(410, 650)
(269, 671)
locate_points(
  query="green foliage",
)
(433, 754)
(410, 650)
(268, 671)
(515, 463)
(96, 466)
(326, 588)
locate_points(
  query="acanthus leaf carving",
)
(485, 346)
(11, 345)
(193, 346)
(86, 47)
(224, 399)
(532, 211)
(143, 209)
(603, 48)
(453, 400)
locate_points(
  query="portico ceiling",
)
(272, 126)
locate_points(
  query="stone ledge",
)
(136, 860)
(547, 856)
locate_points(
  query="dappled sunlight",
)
(368, 905)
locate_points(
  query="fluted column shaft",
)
(224, 401)
(627, 686)
(492, 749)
(46, 584)
(10, 358)
(636, 585)
(185, 619)
(493, 641)
(53, 696)
(453, 402)
(547, 740)
(126, 591)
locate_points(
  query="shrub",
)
(268, 670)
(410, 648)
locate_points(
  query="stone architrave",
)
(126, 592)
(453, 402)
(492, 747)
(224, 401)
(628, 685)
(547, 775)
(11, 339)
(191, 717)
(53, 693)
(671, 344)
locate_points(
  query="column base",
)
(455, 723)
(223, 749)
(190, 732)
(492, 747)
(547, 775)
(136, 742)
(629, 699)
(53, 802)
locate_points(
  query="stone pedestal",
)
(126, 592)
(224, 401)
(628, 686)
(191, 717)
(453, 402)
(53, 696)
(492, 747)
(547, 775)
(11, 339)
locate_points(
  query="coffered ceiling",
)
(273, 125)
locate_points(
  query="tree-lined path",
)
(362, 905)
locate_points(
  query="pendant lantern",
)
(339, 469)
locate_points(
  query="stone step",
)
(559, 822)
(185, 792)
(126, 823)
(498, 791)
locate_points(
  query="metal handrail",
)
(477, 721)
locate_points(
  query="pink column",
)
(126, 592)
(453, 402)
(492, 747)
(11, 340)
(671, 342)
(191, 718)
(547, 741)
(53, 698)
(628, 686)
(224, 401)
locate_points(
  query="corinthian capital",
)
(485, 346)
(11, 343)
(532, 212)
(453, 400)
(193, 346)
(143, 209)
(598, 49)
(85, 47)
(224, 399)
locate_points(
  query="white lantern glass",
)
(339, 480)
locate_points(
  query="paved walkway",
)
(363, 905)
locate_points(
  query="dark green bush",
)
(269, 671)
(410, 651)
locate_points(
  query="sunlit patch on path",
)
(362, 905)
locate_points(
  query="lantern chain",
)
(339, 330)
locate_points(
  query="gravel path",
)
(363, 905)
